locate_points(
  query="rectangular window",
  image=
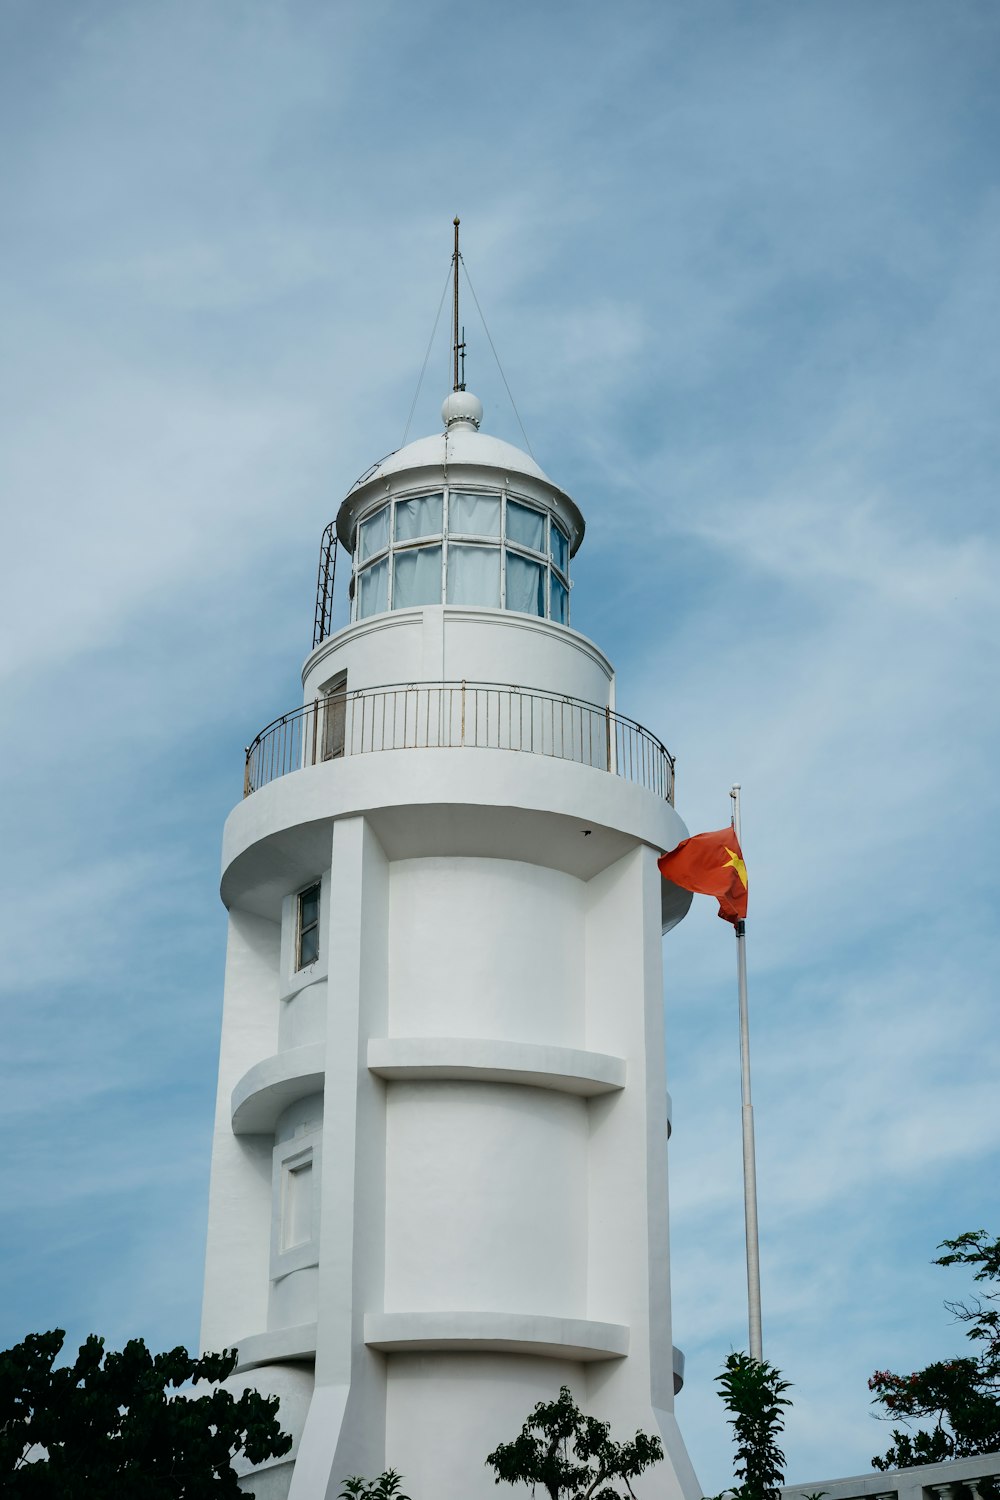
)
(474, 575)
(418, 517)
(373, 534)
(297, 1203)
(560, 549)
(473, 515)
(416, 577)
(525, 526)
(334, 718)
(525, 585)
(560, 601)
(307, 940)
(373, 589)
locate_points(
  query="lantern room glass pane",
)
(473, 515)
(373, 534)
(416, 577)
(560, 601)
(373, 589)
(560, 549)
(419, 517)
(525, 585)
(525, 526)
(474, 576)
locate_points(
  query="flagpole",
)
(749, 1158)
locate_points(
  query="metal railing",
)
(468, 715)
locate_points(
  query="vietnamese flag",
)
(711, 864)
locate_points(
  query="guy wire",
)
(496, 357)
(423, 367)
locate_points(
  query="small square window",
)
(307, 942)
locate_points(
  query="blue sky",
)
(740, 261)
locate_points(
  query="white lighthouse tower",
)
(439, 1178)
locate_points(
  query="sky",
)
(740, 263)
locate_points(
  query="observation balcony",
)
(459, 715)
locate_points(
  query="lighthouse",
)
(439, 1173)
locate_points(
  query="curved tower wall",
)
(439, 1171)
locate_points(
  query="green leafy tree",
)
(571, 1455)
(385, 1487)
(961, 1396)
(753, 1394)
(105, 1425)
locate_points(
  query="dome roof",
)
(461, 444)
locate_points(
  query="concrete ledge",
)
(281, 1344)
(496, 1332)
(904, 1484)
(272, 1085)
(564, 1068)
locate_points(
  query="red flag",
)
(712, 864)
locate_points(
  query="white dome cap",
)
(462, 406)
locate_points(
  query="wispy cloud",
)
(740, 267)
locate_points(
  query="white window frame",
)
(444, 537)
(290, 1156)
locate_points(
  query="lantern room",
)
(461, 518)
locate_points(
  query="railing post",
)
(315, 728)
(607, 737)
(463, 710)
(246, 774)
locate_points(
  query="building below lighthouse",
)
(439, 1174)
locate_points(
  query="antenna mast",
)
(458, 342)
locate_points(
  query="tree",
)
(752, 1392)
(961, 1395)
(105, 1425)
(572, 1455)
(385, 1487)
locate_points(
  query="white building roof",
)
(461, 444)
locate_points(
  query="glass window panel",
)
(560, 601)
(525, 585)
(474, 576)
(417, 577)
(308, 947)
(374, 534)
(418, 517)
(560, 549)
(473, 515)
(373, 585)
(309, 907)
(525, 526)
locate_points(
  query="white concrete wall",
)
(485, 948)
(446, 644)
(444, 1435)
(474, 895)
(239, 1216)
(486, 1193)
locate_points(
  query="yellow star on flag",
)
(735, 860)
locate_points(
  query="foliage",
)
(104, 1425)
(961, 1395)
(752, 1392)
(385, 1487)
(572, 1455)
